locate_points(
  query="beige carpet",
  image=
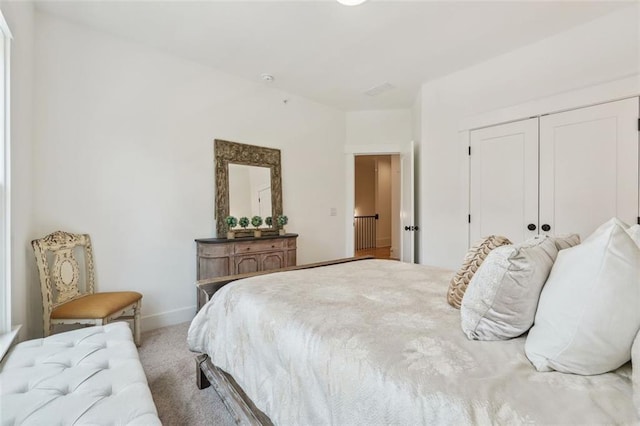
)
(170, 370)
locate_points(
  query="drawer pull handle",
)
(248, 248)
(273, 246)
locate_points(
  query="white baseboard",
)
(394, 253)
(164, 319)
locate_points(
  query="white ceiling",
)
(329, 52)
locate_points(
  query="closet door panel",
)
(504, 180)
(589, 167)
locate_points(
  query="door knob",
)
(546, 228)
(531, 227)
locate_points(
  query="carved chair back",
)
(65, 266)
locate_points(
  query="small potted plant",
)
(268, 221)
(256, 221)
(244, 222)
(231, 222)
(282, 221)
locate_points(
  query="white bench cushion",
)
(88, 376)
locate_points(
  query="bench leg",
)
(136, 323)
(201, 380)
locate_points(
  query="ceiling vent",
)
(380, 88)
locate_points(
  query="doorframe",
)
(351, 151)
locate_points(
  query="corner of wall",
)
(25, 291)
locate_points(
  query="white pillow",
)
(635, 378)
(500, 302)
(588, 313)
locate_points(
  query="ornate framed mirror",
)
(248, 183)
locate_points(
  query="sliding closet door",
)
(504, 181)
(589, 167)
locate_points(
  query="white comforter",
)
(375, 342)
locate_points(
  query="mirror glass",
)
(249, 191)
(248, 183)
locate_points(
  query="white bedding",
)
(375, 342)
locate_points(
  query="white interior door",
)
(589, 167)
(264, 202)
(504, 181)
(407, 217)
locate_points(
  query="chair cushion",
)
(89, 376)
(98, 305)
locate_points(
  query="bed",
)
(375, 342)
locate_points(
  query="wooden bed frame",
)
(239, 405)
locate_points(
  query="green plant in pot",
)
(244, 222)
(282, 221)
(268, 221)
(231, 222)
(256, 221)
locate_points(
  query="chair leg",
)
(136, 323)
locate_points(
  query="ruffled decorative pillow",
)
(472, 261)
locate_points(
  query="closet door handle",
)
(546, 228)
(531, 227)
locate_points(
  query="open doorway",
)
(377, 206)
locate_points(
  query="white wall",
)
(124, 151)
(378, 127)
(595, 62)
(371, 132)
(365, 185)
(20, 18)
(260, 182)
(395, 207)
(383, 200)
(416, 133)
(240, 191)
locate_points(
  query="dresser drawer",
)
(214, 250)
(217, 257)
(256, 246)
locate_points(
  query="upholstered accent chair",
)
(66, 268)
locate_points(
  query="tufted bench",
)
(88, 376)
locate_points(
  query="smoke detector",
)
(267, 78)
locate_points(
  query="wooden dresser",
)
(217, 257)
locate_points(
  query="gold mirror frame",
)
(226, 152)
